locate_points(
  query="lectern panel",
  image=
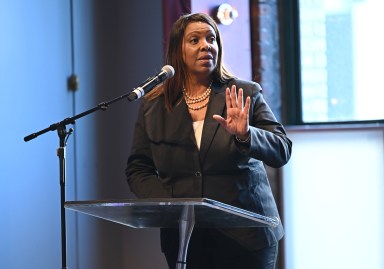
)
(167, 213)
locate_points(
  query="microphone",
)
(166, 72)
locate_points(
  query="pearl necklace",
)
(193, 100)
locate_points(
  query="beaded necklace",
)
(193, 100)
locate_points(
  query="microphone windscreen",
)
(169, 70)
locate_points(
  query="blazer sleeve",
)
(269, 142)
(142, 176)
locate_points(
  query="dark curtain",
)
(172, 10)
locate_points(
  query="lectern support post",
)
(187, 222)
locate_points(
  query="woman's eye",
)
(194, 40)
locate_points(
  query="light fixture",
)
(226, 14)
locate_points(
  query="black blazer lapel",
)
(216, 105)
(182, 118)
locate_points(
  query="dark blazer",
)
(165, 161)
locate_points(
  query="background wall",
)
(34, 62)
(117, 44)
(333, 199)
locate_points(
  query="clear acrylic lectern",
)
(182, 213)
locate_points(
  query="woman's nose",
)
(206, 46)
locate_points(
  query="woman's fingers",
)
(247, 105)
(220, 120)
(237, 111)
(228, 98)
(240, 99)
(234, 97)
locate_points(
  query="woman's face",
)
(200, 49)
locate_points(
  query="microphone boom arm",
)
(71, 120)
(167, 72)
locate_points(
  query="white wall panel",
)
(334, 200)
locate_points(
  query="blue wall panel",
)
(114, 51)
(34, 64)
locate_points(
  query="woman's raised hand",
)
(237, 121)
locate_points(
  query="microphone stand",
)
(61, 128)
